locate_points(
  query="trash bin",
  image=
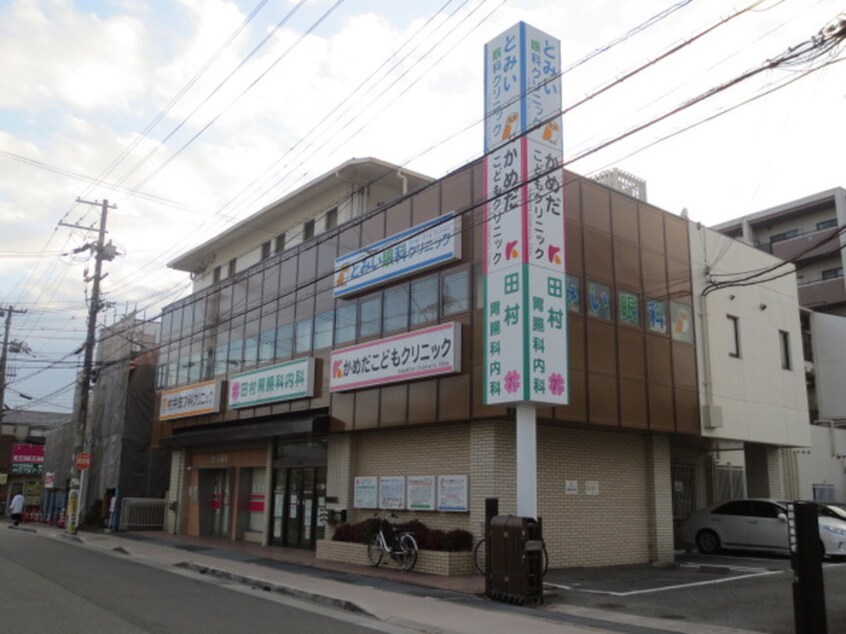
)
(516, 559)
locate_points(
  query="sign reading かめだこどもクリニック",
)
(281, 382)
(414, 355)
(431, 243)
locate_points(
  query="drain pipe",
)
(404, 180)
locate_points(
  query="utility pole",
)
(4, 355)
(101, 251)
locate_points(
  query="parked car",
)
(758, 524)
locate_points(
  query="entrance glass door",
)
(301, 492)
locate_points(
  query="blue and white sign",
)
(429, 244)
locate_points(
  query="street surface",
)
(49, 585)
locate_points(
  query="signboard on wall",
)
(25, 453)
(365, 492)
(413, 355)
(194, 400)
(453, 493)
(392, 492)
(429, 244)
(525, 287)
(420, 493)
(281, 382)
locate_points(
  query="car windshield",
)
(833, 510)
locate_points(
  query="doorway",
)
(299, 506)
(214, 500)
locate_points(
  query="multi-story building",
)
(261, 452)
(809, 232)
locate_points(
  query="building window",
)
(231, 268)
(827, 224)
(323, 324)
(784, 341)
(216, 275)
(395, 309)
(370, 316)
(308, 229)
(424, 300)
(734, 336)
(830, 274)
(456, 296)
(265, 250)
(302, 335)
(284, 341)
(781, 237)
(345, 323)
(331, 219)
(280, 243)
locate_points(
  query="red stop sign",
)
(82, 461)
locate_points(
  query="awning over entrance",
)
(312, 423)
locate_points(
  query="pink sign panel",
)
(27, 454)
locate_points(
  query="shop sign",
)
(200, 398)
(415, 355)
(282, 382)
(525, 286)
(429, 244)
(27, 453)
(4, 479)
(49, 480)
(453, 493)
(25, 469)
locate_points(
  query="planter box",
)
(429, 562)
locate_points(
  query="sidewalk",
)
(426, 603)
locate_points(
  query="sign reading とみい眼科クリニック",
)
(431, 243)
(525, 289)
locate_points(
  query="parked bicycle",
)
(481, 565)
(399, 546)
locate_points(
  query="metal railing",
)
(142, 514)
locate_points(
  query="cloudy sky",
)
(191, 114)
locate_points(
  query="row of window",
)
(734, 342)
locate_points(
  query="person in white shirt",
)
(17, 508)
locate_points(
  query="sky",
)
(190, 115)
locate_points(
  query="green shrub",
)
(427, 539)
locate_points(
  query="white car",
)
(758, 524)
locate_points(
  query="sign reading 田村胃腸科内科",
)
(281, 382)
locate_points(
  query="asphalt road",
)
(747, 592)
(48, 585)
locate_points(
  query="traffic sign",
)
(82, 461)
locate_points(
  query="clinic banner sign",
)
(429, 244)
(414, 355)
(282, 382)
(525, 283)
(194, 400)
(25, 453)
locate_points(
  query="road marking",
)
(666, 588)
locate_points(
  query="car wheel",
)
(708, 542)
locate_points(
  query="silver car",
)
(758, 524)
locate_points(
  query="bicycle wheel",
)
(408, 555)
(374, 551)
(479, 556)
(545, 559)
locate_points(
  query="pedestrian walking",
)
(17, 507)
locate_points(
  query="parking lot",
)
(750, 592)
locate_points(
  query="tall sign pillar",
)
(525, 359)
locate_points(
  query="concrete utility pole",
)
(4, 356)
(101, 251)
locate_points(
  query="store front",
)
(299, 493)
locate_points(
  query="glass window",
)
(161, 376)
(267, 341)
(250, 351)
(628, 308)
(736, 507)
(308, 229)
(830, 274)
(236, 351)
(734, 336)
(395, 309)
(784, 341)
(599, 301)
(220, 355)
(681, 320)
(424, 300)
(302, 335)
(656, 316)
(574, 294)
(231, 268)
(284, 341)
(827, 224)
(370, 316)
(781, 237)
(280, 243)
(323, 324)
(265, 250)
(345, 323)
(331, 219)
(456, 294)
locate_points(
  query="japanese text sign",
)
(282, 382)
(424, 246)
(23, 453)
(194, 400)
(414, 355)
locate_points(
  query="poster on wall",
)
(421, 493)
(392, 492)
(365, 495)
(452, 493)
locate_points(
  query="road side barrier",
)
(142, 514)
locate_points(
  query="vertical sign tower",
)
(525, 300)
